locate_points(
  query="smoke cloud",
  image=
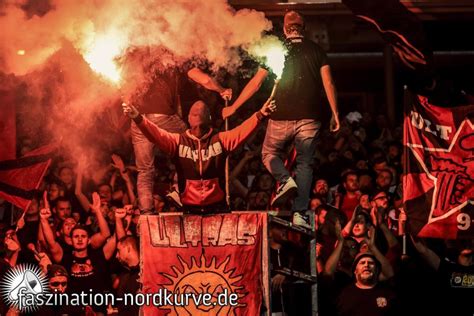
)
(51, 46)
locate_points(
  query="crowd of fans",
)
(82, 226)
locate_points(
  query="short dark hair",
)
(376, 192)
(378, 160)
(106, 184)
(62, 199)
(347, 174)
(82, 227)
(130, 241)
(56, 270)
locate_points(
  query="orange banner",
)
(202, 265)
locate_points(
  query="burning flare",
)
(102, 53)
(271, 51)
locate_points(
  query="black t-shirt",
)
(28, 234)
(299, 92)
(161, 97)
(379, 300)
(67, 248)
(128, 283)
(4, 267)
(87, 273)
(459, 285)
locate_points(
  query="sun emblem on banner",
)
(200, 279)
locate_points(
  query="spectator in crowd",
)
(367, 295)
(58, 278)
(347, 200)
(12, 248)
(62, 210)
(384, 180)
(456, 276)
(128, 256)
(87, 266)
(321, 191)
(55, 191)
(66, 175)
(58, 284)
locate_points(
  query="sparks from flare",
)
(271, 51)
(101, 56)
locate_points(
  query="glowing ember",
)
(272, 52)
(101, 56)
(21, 52)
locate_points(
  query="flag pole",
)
(227, 190)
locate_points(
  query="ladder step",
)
(297, 274)
(290, 225)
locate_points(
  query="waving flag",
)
(19, 178)
(438, 183)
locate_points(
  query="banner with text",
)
(438, 182)
(202, 265)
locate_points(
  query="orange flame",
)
(102, 53)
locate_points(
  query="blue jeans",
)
(144, 155)
(303, 134)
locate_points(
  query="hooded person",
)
(199, 153)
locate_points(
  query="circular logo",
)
(21, 285)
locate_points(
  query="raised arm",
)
(198, 76)
(331, 93)
(13, 246)
(249, 90)
(235, 137)
(167, 142)
(81, 197)
(99, 238)
(331, 263)
(109, 247)
(382, 224)
(428, 255)
(118, 163)
(387, 269)
(346, 232)
(120, 214)
(55, 249)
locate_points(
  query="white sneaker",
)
(300, 219)
(174, 197)
(284, 191)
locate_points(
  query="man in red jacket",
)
(200, 153)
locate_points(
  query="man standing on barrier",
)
(199, 153)
(298, 117)
(160, 105)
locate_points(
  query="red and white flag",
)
(19, 178)
(438, 182)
